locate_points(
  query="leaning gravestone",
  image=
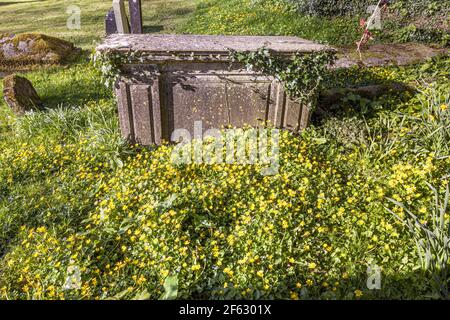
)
(20, 94)
(27, 49)
(110, 22)
(170, 82)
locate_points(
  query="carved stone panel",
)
(152, 107)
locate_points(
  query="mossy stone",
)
(20, 94)
(29, 49)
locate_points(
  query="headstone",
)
(121, 17)
(110, 22)
(20, 94)
(135, 16)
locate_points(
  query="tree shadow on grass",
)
(406, 285)
(69, 85)
(359, 93)
(395, 285)
(153, 29)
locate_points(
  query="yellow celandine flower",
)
(294, 295)
(260, 273)
(444, 107)
(164, 273)
(195, 267)
(358, 293)
(312, 265)
(228, 271)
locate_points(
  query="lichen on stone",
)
(27, 49)
(20, 95)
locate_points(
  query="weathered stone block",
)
(20, 94)
(175, 80)
(27, 49)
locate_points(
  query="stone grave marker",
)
(110, 22)
(20, 94)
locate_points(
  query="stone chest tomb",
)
(169, 82)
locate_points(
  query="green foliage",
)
(433, 242)
(108, 64)
(68, 86)
(412, 33)
(356, 7)
(95, 122)
(51, 18)
(60, 88)
(331, 8)
(301, 74)
(242, 17)
(412, 8)
(79, 206)
(225, 231)
(431, 127)
(336, 22)
(170, 288)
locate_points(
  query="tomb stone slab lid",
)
(166, 44)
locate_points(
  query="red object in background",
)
(368, 34)
(362, 23)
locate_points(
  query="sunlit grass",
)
(50, 17)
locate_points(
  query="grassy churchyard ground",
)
(50, 17)
(74, 194)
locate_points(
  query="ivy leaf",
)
(143, 295)
(118, 296)
(320, 141)
(170, 288)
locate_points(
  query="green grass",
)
(74, 194)
(196, 16)
(268, 18)
(50, 17)
(277, 17)
(63, 87)
(62, 171)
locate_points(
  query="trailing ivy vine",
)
(110, 63)
(301, 74)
